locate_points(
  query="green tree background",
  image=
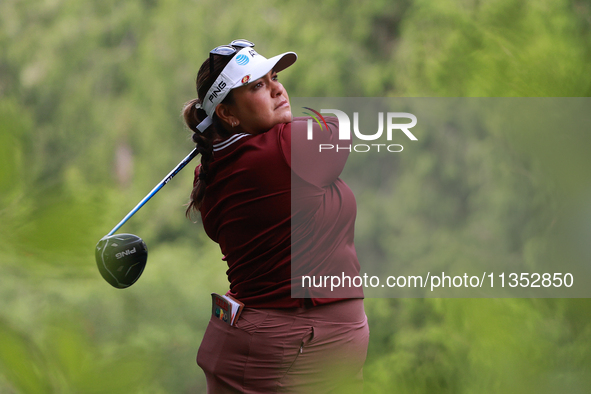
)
(90, 100)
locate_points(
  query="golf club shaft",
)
(159, 186)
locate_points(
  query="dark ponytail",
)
(193, 115)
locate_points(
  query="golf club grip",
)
(159, 186)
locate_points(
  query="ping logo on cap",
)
(242, 60)
(216, 90)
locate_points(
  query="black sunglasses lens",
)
(223, 50)
(242, 43)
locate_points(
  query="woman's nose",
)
(276, 88)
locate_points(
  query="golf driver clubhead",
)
(121, 259)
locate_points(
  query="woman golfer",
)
(280, 213)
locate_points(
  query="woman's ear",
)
(226, 115)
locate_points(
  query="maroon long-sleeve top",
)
(279, 211)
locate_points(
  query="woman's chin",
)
(285, 115)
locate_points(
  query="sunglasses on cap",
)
(227, 50)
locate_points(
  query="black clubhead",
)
(121, 259)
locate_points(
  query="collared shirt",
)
(275, 204)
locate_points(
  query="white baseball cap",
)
(245, 67)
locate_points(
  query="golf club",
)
(121, 258)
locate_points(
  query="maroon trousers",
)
(298, 350)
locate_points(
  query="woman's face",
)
(260, 105)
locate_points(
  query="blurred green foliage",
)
(90, 100)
